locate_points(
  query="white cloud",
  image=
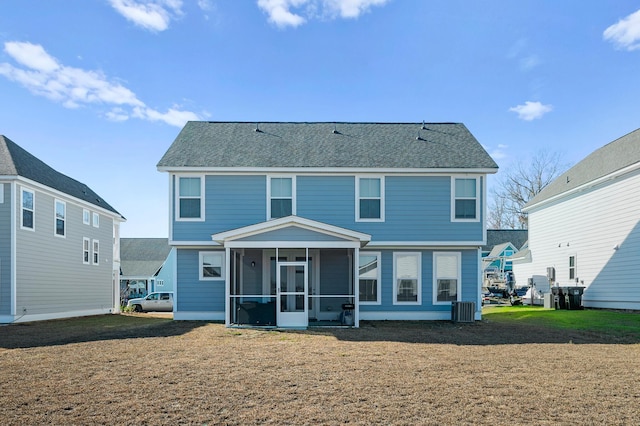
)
(43, 75)
(529, 62)
(531, 110)
(154, 15)
(625, 33)
(285, 13)
(498, 153)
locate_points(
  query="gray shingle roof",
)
(495, 237)
(15, 161)
(614, 156)
(142, 257)
(334, 145)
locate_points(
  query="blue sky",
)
(99, 89)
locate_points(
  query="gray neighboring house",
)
(145, 266)
(584, 227)
(59, 243)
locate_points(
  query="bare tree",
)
(519, 184)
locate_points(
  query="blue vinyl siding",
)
(5, 249)
(194, 295)
(417, 208)
(469, 282)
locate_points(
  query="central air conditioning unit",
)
(463, 311)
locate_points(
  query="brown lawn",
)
(136, 369)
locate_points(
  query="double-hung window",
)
(190, 198)
(60, 218)
(446, 277)
(281, 197)
(86, 244)
(211, 265)
(96, 220)
(28, 209)
(407, 281)
(86, 217)
(369, 278)
(465, 200)
(370, 198)
(572, 268)
(96, 252)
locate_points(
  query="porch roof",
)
(292, 231)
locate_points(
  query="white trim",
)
(223, 262)
(199, 315)
(95, 252)
(382, 198)
(176, 194)
(55, 218)
(86, 216)
(322, 170)
(227, 284)
(54, 315)
(454, 198)
(458, 279)
(418, 255)
(1, 192)
(292, 244)
(293, 194)
(283, 222)
(24, 189)
(378, 278)
(14, 251)
(95, 219)
(426, 244)
(404, 315)
(88, 251)
(193, 244)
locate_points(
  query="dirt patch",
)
(157, 371)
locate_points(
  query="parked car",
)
(162, 302)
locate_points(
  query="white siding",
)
(590, 226)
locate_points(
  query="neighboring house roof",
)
(497, 250)
(326, 145)
(15, 161)
(495, 237)
(615, 156)
(143, 257)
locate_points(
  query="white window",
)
(370, 199)
(96, 220)
(446, 277)
(160, 283)
(96, 252)
(190, 202)
(211, 265)
(407, 283)
(60, 218)
(572, 268)
(1, 193)
(369, 278)
(465, 200)
(86, 244)
(28, 209)
(281, 197)
(86, 217)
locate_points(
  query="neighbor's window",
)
(572, 268)
(86, 217)
(281, 197)
(60, 218)
(28, 207)
(1, 193)
(160, 283)
(369, 278)
(370, 199)
(211, 265)
(406, 278)
(86, 244)
(446, 277)
(96, 252)
(96, 220)
(190, 198)
(465, 199)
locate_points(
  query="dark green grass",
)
(591, 320)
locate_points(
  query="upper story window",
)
(60, 218)
(190, 198)
(446, 277)
(465, 200)
(86, 217)
(211, 265)
(96, 220)
(370, 199)
(369, 278)
(28, 209)
(281, 197)
(407, 282)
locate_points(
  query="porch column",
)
(227, 290)
(356, 287)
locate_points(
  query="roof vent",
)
(424, 126)
(335, 130)
(419, 138)
(257, 129)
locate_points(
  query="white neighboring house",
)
(586, 225)
(59, 243)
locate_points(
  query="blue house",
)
(298, 224)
